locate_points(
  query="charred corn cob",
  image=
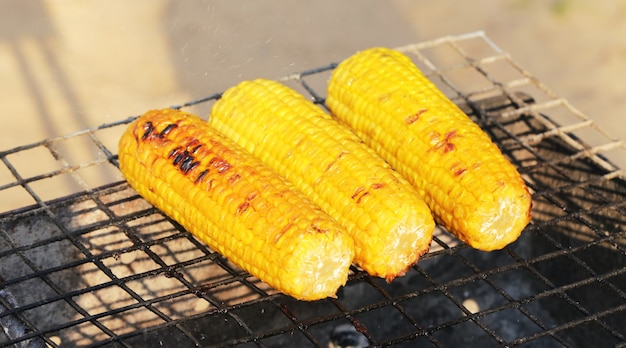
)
(472, 189)
(390, 224)
(235, 204)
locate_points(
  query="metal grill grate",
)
(84, 261)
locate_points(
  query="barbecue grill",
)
(86, 262)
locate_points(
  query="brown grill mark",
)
(317, 229)
(412, 118)
(148, 128)
(282, 232)
(243, 207)
(457, 169)
(446, 144)
(178, 158)
(359, 193)
(377, 185)
(361, 197)
(189, 165)
(460, 171)
(233, 179)
(201, 176)
(167, 130)
(339, 156)
(174, 152)
(220, 164)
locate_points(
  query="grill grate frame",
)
(77, 242)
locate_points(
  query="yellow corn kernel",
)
(235, 204)
(390, 224)
(472, 189)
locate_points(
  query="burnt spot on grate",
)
(97, 266)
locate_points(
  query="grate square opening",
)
(467, 80)
(94, 176)
(38, 229)
(543, 341)
(126, 203)
(23, 292)
(443, 56)
(52, 255)
(288, 338)
(127, 264)
(587, 296)
(81, 335)
(519, 283)
(499, 69)
(444, 268)
(384, 323)
(602, 258)
(304, 311)
(82, 216)
(617, 321)
(170, 335)
(486, 261)
(104, 300)
(224, 328)
(510, 324)
(176, 250)
(78, 150)
(262, 317)
(465, 334)
(13, 267)
(152, 227)
(104, 240)
(586, 334)
(59, 185)
(50, 315)
(23, 162)
(359, 294)
(155, 287)
(107, 139)
(180, 307)
(432, 309)
(554, 310)
(475, 47)
(128, 321)
(411, 283)
(206, 273)
(233, 291)
(477, 295)
(561, 270)
(79, 278)
(618, 281)
(6, 177)
(569, 232)
(15, 197)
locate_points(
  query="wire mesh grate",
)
(85, 262)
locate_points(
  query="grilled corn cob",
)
(472, 189)
(235, 204)
(390, 224)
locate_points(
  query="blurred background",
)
(75, 64)
(68, 65)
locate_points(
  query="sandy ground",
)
(70, 65)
